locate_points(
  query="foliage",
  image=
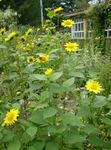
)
(8, 18)
(100, 15)
(56, 111)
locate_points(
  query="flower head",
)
(42, 59)
(48, 72)
(71, 47)
(58, 9)
(93, 86)
(30, 59)
(11, 117)
(11, 36)
(67, 23)
(2, 31)
(29, 31)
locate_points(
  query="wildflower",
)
(29, 31)
(71, 47)
(48, 72)
(93, 86)
(58, 9)
(30, 59)
(11, 36)
(42, 59)
(67, 23)
(11, 117)
(23, 38)
(2, 31)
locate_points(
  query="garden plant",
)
(53, 96)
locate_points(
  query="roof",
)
(76, 13)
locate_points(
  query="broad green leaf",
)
(96, 141)
(56, 76)
(45, 95)
(77, 74)
(32, 131)
(68, 82)
(89, 129)
(34, 77)
(49, 112)
(14, 145)
(39, 145)
(8, 136)
(71, 119)
(84, 111)
(107, 121)
(100, 101)
(74, 138)
(52, 146)
(40, 106)
(37, 118)
(31, 148)
(25, 138)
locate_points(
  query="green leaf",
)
(100, 101)
(37, 118)
(32, 131)
(52, 146)
(31, 148)
(39, 145)
(71, 119)
(96, 141)
(84, 111)
(14, 145)
(77, 74)
(56, 76)
(68, 82)
(34, 77)
(75, 138)
(1, 136)
(49, 112)
(89, 129)
(107, 121)
(44, 95)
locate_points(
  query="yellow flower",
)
(93, 86)
(11, 117)
(23, 38)
(29, 31)
(42, 59)
(48, 72)
(58, 9)
(2, 31)
(71, 47)
(11, 36)
(30, 59)
(67, 23)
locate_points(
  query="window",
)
(77, 30)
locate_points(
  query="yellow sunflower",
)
(11, 117)
(48, 72)
(93, 86)
(58, 9)
(67, 23)
(30, 59)
(71, 47)
(42, 59)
